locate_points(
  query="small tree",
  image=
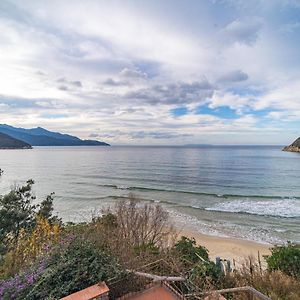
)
(18, 213)
(142, 224)
(133, 231)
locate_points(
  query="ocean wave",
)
(226, 196)
(287, 208)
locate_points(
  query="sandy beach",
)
(229, 248)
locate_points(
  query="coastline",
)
(228, 247)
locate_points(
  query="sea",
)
(248, 192)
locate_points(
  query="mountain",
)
(42, 137)
(294, 147)
(8, 142)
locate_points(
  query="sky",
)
(159, 72)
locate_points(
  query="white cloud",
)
(133, 74)
(244, 32)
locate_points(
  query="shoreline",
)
(228, 247)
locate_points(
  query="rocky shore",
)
(294, 147)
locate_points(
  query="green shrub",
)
(201, 272)
(189, 251)
(72, 268)
(285, 258)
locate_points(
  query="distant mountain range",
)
(8, 142)
(42, 137)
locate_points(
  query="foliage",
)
(14, 287)
(189, 251)
(17, 213)
(134, 232)
(30, 246)
(202, 272)
(73, 266)
(205, 274)
(46, 208)
(16, 210)
(285, 258)
(142, 224)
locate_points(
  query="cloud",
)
(233, 101)
(76, 83)
(243, 31)
(233, 76)
(68, 84)
(63, 88)
(113, 82)
(3, 106)
(174, 93)
(133, 74)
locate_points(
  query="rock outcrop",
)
(294, 147)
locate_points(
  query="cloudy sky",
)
(153, 72)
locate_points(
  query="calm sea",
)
(248, 192)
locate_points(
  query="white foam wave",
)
(288, 208)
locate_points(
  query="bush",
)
(201, 272)
(29, 247)
(134, 232)
(285, 258)
(15, 287)
(72, 268)
(205, 275)
(189, 251)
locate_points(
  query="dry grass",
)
(275, 284)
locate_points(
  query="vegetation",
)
(189, 251)
(286, 259)
(18, 213)
(42, 258)
(276, 284)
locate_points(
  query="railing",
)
(175, 290)
(252, 292)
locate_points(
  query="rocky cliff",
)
(294, 147)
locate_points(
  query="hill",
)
(8, 142)
(42, 137)
(294, 147)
